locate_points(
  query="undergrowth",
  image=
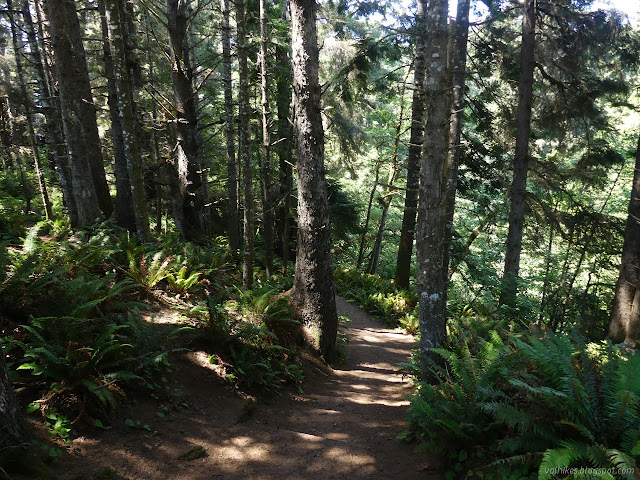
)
(516, 405)
(75, 339)
(379, 297)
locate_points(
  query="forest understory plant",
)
(537, 404)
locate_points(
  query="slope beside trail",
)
(343, 426)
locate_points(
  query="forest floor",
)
(343, 426)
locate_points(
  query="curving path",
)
(343, 426)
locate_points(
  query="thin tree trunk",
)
(154, 115)
(390, 191)
(44, 194)
(625, 314)
(233, 224)
(244, 150)
(313, 288)
(50, 105)
(521, 158)
(116, 14)
(123, 213)
(267, 202)
(363, 234)
(407, 233)
(459, 70)
(78, 113)
(432, 197)
(284, 149)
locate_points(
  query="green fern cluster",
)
(93, 358)
(550, 404)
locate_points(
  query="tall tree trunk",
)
(11, 425)
(17, 48)
(459, 70)
(233, 224)
(521, 158)
(407, 233)
(115, 15)
(432, 195)
(50, 104)
(192, 189)
(625, 314)
(267, 202)
(123, 213)
(244, 147)
(154, 115)
(313, 288)
(284, 149)
(89, 183)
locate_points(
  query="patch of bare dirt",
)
(343, 426)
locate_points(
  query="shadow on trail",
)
(343, 426)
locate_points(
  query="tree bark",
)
(432, 194)
(267, 202)
(459, 70)
(50, 105)
(44, 194)
(90, 190)
(521, 157)
(244, 150)
(407, 233)
(283, 148)
(233, 224)
(11, 424)
(123, 213)
(115, 16)
(191, 187)
(625, 314)
(313, 289)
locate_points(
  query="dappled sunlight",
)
(344, 425)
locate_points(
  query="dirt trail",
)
(343, 426)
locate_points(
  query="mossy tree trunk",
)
(433, 184)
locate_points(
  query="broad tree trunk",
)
(17, 48)
(521, 158)
(244, 150)
(233, 224)
(625, 314)
(50, 104)
(313, 288)
(11, 425)
(191, 187)
(267, 202)
(459, 70)
(407, 233)
(90, 190)
(433, 183)
(115, 16)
